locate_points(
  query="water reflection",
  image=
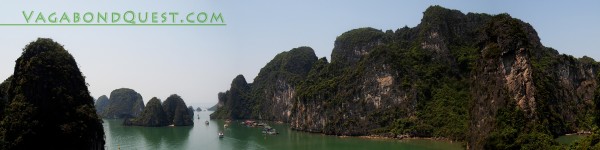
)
(134, 137)
(237, 136)
(165, 137)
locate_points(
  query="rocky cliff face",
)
(177, 111)
(123, 103)
(552, 92)
(191, 110)
(152, 116)
(235, 103)
(101, 104)
(348, 49)
(173, 111)
(485, 79)
(271, 95)
(276, 83)
(4, 95)
(48, 103)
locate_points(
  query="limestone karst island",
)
(456, 80)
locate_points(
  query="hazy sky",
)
(199, 62)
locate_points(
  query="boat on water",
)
(269, 130)
(227, 123)
(221, 135)
(250, 123)
(206, 122)
(261, 124)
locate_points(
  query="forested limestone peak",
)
(296, 61)
(152, 116)
(4, 95)
(480, 78)
(239, 82)
(282, 73)
(101, 104)
(49, 105)
(177, 112)
(123, 103)
(352, 45)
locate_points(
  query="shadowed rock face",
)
(123, 103)
(191, 111)
(172, 111)
(3, 95)
(49, 105)
(484, 79)
(177, 112)
(234, 103)
(152, 116)
(101, 104)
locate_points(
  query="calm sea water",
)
(205, 137)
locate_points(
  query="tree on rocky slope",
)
(49, 105)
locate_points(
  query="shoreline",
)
(383, 136)
(406, 137)
(580, 133)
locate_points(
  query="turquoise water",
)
(202, 136)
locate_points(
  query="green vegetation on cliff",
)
(172, 111)
(591, 141)
(440, 89)
(4, 95)
(177, 112)
(275, 83)
(277, 80)
(101, 104)
(191, 110)
(152, 116)
(484, 79)
(123, 103)
(236, 104)
(49, 105)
